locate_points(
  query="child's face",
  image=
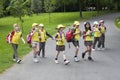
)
(96, 25)
(77, 26)
(102, 23)
(87, 25)
(17, 28)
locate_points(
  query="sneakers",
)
(66, 62)
(90, 59)
(19, 61)
(83, 55)
(56, 61)
(103, 49)
(93, 49)
(35, 60)
(76, 59)
(98, 49)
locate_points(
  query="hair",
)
(86, 29)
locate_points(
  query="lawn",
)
(117, 22)
(6, 23)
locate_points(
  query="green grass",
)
(56, 18)
(117, 22)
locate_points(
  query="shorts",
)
(60, 48)
(76, 43)
(88, 43)
(35, 45)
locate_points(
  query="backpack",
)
(28, 38)
(69, 35)
(9, 37)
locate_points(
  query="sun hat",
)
(41, 25)
(101, 21)
(76, 23)
(34, 24)
(60, 26)
(95, 22)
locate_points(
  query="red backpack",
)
(9, 37)
(28, 38)
(69, 35)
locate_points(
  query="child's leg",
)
(58, 52)
(43, 49)
(99, 42)
(94, 43)
(39, 49)
(64, 56)
(76, 52)
(103, 41)
(89, 53)
(15, 55)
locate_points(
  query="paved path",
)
(105, 67)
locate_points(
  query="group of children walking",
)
(38, 35)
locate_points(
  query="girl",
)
(15, 41)
(97, 35)
(35, 40)
(43, 35)
(87, 36)
(60, 44)
(77, 34)
(102, 37)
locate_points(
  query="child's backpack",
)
(28, 38)
(69, 35)
(9, 37)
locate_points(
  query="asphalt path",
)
(106, 65)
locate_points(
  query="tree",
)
(50, 6)
(1, 8)
(36, 6)
(80, 8)
(19, 8)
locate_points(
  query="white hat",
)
(34, 24)
(76, 23)
(41, 25)
(60, 26)
(101, 21)
(95, 22)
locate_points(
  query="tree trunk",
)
(21, 20)
(97, 3)
(118, 5)
(80, 8)
(64, 8)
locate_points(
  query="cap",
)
(34, 24)
(76, 23)
(95, 22)
(60, 26)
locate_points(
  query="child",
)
(15, 41)
(77, 34)
(60, 44)
(87, 36)
(43, 35)
(35, 40)
(102, 37)
(97, 35)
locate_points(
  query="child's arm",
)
(23, 40)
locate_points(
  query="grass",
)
(6, 23)
(117, 22)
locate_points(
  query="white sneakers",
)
(65, 62)
(93, 49)
(99, 49)
(76, 59)
(35, 60)
(56, 61)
